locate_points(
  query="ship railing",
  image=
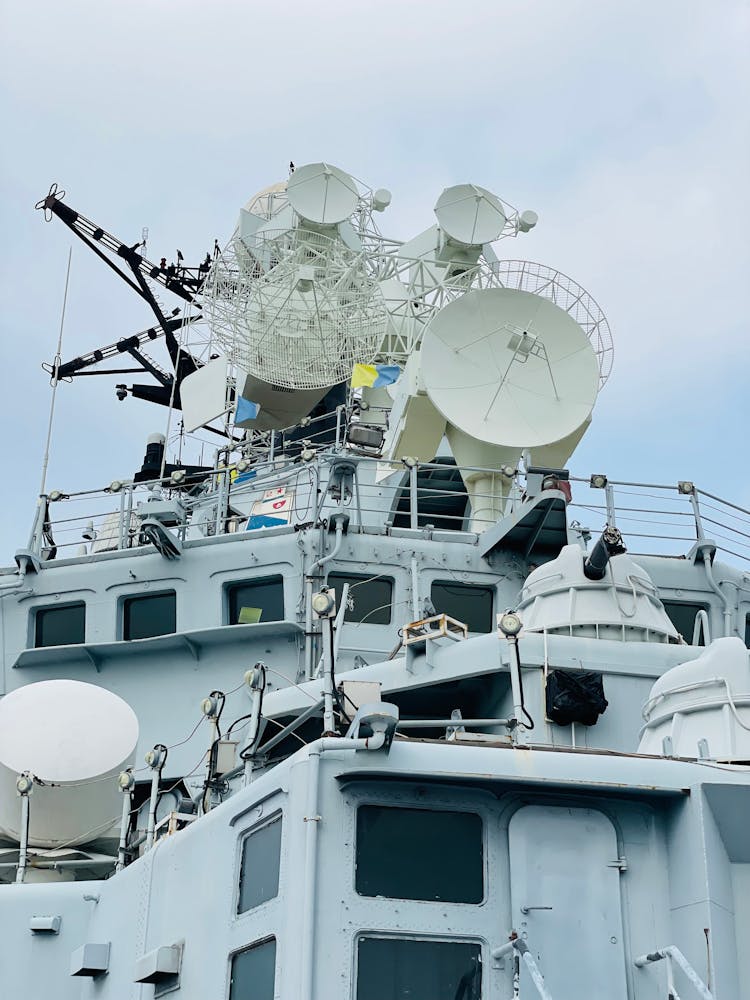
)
(655, 519)
(521, 953)
(672, 956)
(659, 519)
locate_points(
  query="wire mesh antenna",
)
(295, 308)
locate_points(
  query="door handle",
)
(526, 909)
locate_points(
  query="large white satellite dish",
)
(322, 194)
(470, 215)
(509, 368)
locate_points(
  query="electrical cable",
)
(520, 685)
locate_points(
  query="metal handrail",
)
(672, 954)
(521, 949)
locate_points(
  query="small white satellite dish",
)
(470, 215)
(322, 194)
(509, 368)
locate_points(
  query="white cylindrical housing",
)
(75, 738)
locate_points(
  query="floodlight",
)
(509, 624)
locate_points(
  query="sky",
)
(623, 125)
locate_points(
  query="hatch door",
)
(565, 899)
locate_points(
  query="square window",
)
(255, 601)
(369, 600)
(682, 615)
(259, 869)
(64, 625)
(148, 615)
(254, 972)
(466, 602)
(420, 970)
(747, 631)
(420, 854)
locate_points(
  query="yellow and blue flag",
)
(374, 376)
(246, 410)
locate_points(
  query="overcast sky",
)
(624, 125)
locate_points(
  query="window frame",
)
(380, 578)
(40, 609)
(126, 599)
(229, 585)
(699, 605)
(440, 806)
(277, 815)
(266, 939)
(418, 936)
(469, 585)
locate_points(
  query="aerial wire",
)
(55, 372)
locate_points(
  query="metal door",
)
(565, 901)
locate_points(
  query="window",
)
(466, 602)
(60, 626)
(259, 870)
(256, 601)
(254, 972)
(420, 970)
(419, 854)
(369, 600)
(682, 617)
(148, 615)
(747, 631)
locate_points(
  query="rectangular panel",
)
(259, 870)
(254, 972)
(420, 854)
(265, 596)
(467, 603)
(369, 600)
(149, 615)
(60, 626)
(400, 969)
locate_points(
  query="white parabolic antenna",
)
(322, 194)
(74, 738)
(509, 368)
(470, 215)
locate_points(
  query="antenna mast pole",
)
(55, 373)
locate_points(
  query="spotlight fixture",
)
(24, 784)
(323, 603)
(686, 487)
(56, 495)
(598, 481)
(409, 461)
(509, 624)
(178, 477)
(125, 781)
(115, 486)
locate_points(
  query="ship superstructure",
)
(372, 696)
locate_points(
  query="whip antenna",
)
(55, 372)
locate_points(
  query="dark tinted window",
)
(259, 872)
(747, 631)
(419, 854)
(256, 601)
(394, 969)
(368, 601)
(682, 617)
(467, 603)
(60, 626)
(149, 615)
(253, 972)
